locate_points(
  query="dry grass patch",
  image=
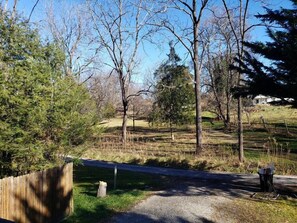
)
(264, 211)
(148, 145)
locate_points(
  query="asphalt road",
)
(222, 176)
(195, 196)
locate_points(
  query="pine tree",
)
(23, 96)
(276, 75)
(175, 96)
(43, 114)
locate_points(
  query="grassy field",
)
(270, 136)
(131, 188)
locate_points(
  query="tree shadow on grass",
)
(89, 208)
(184, 164)
(84, 215)
(175, 163)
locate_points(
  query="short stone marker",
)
(102, 189)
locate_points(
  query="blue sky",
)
(151, 55)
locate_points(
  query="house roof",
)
(260, 96)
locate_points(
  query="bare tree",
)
(14, 9)
(105, 91)
(188, 35)
(70, 29)
(220, 53)
(237, 15)
(4, 7)
(121, 27)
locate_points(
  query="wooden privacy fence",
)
(40, 197)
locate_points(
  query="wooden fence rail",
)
(40, 197)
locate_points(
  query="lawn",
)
(273, 140)
(134, 187)
(131, 188)
(261, 211)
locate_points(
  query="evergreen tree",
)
(43, 114)
(174, 96)
(276, 75)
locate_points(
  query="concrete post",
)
(102, 189)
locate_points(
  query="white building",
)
(263, 100)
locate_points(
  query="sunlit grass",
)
(261, 211)
(149, 145)
(274, 114)
(131, 188)
(117, 122)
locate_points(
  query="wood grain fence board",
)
(27, 198)
(39, 188)
(6, 198)
(16, 193)
(10, 195)
(1, 198)
(40, 197)
(21, 195)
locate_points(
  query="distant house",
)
(263, 100)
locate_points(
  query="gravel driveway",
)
(188, 201)
(195, 196)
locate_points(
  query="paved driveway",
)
(186, 202)
(195, 196)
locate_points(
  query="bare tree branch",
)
(70, 31)
(32, 10)
(121, 26)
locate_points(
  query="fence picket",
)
(37, 197)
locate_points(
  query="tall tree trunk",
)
(133, 116)
(228, 112)
(240, 38)
(171, 131)
(240, 129)
(228, 92)
(197, 84)
(125, 119)
(191, 45)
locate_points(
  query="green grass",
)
(131, 188)
(264, 211)
(275, 114)
(134, 187)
